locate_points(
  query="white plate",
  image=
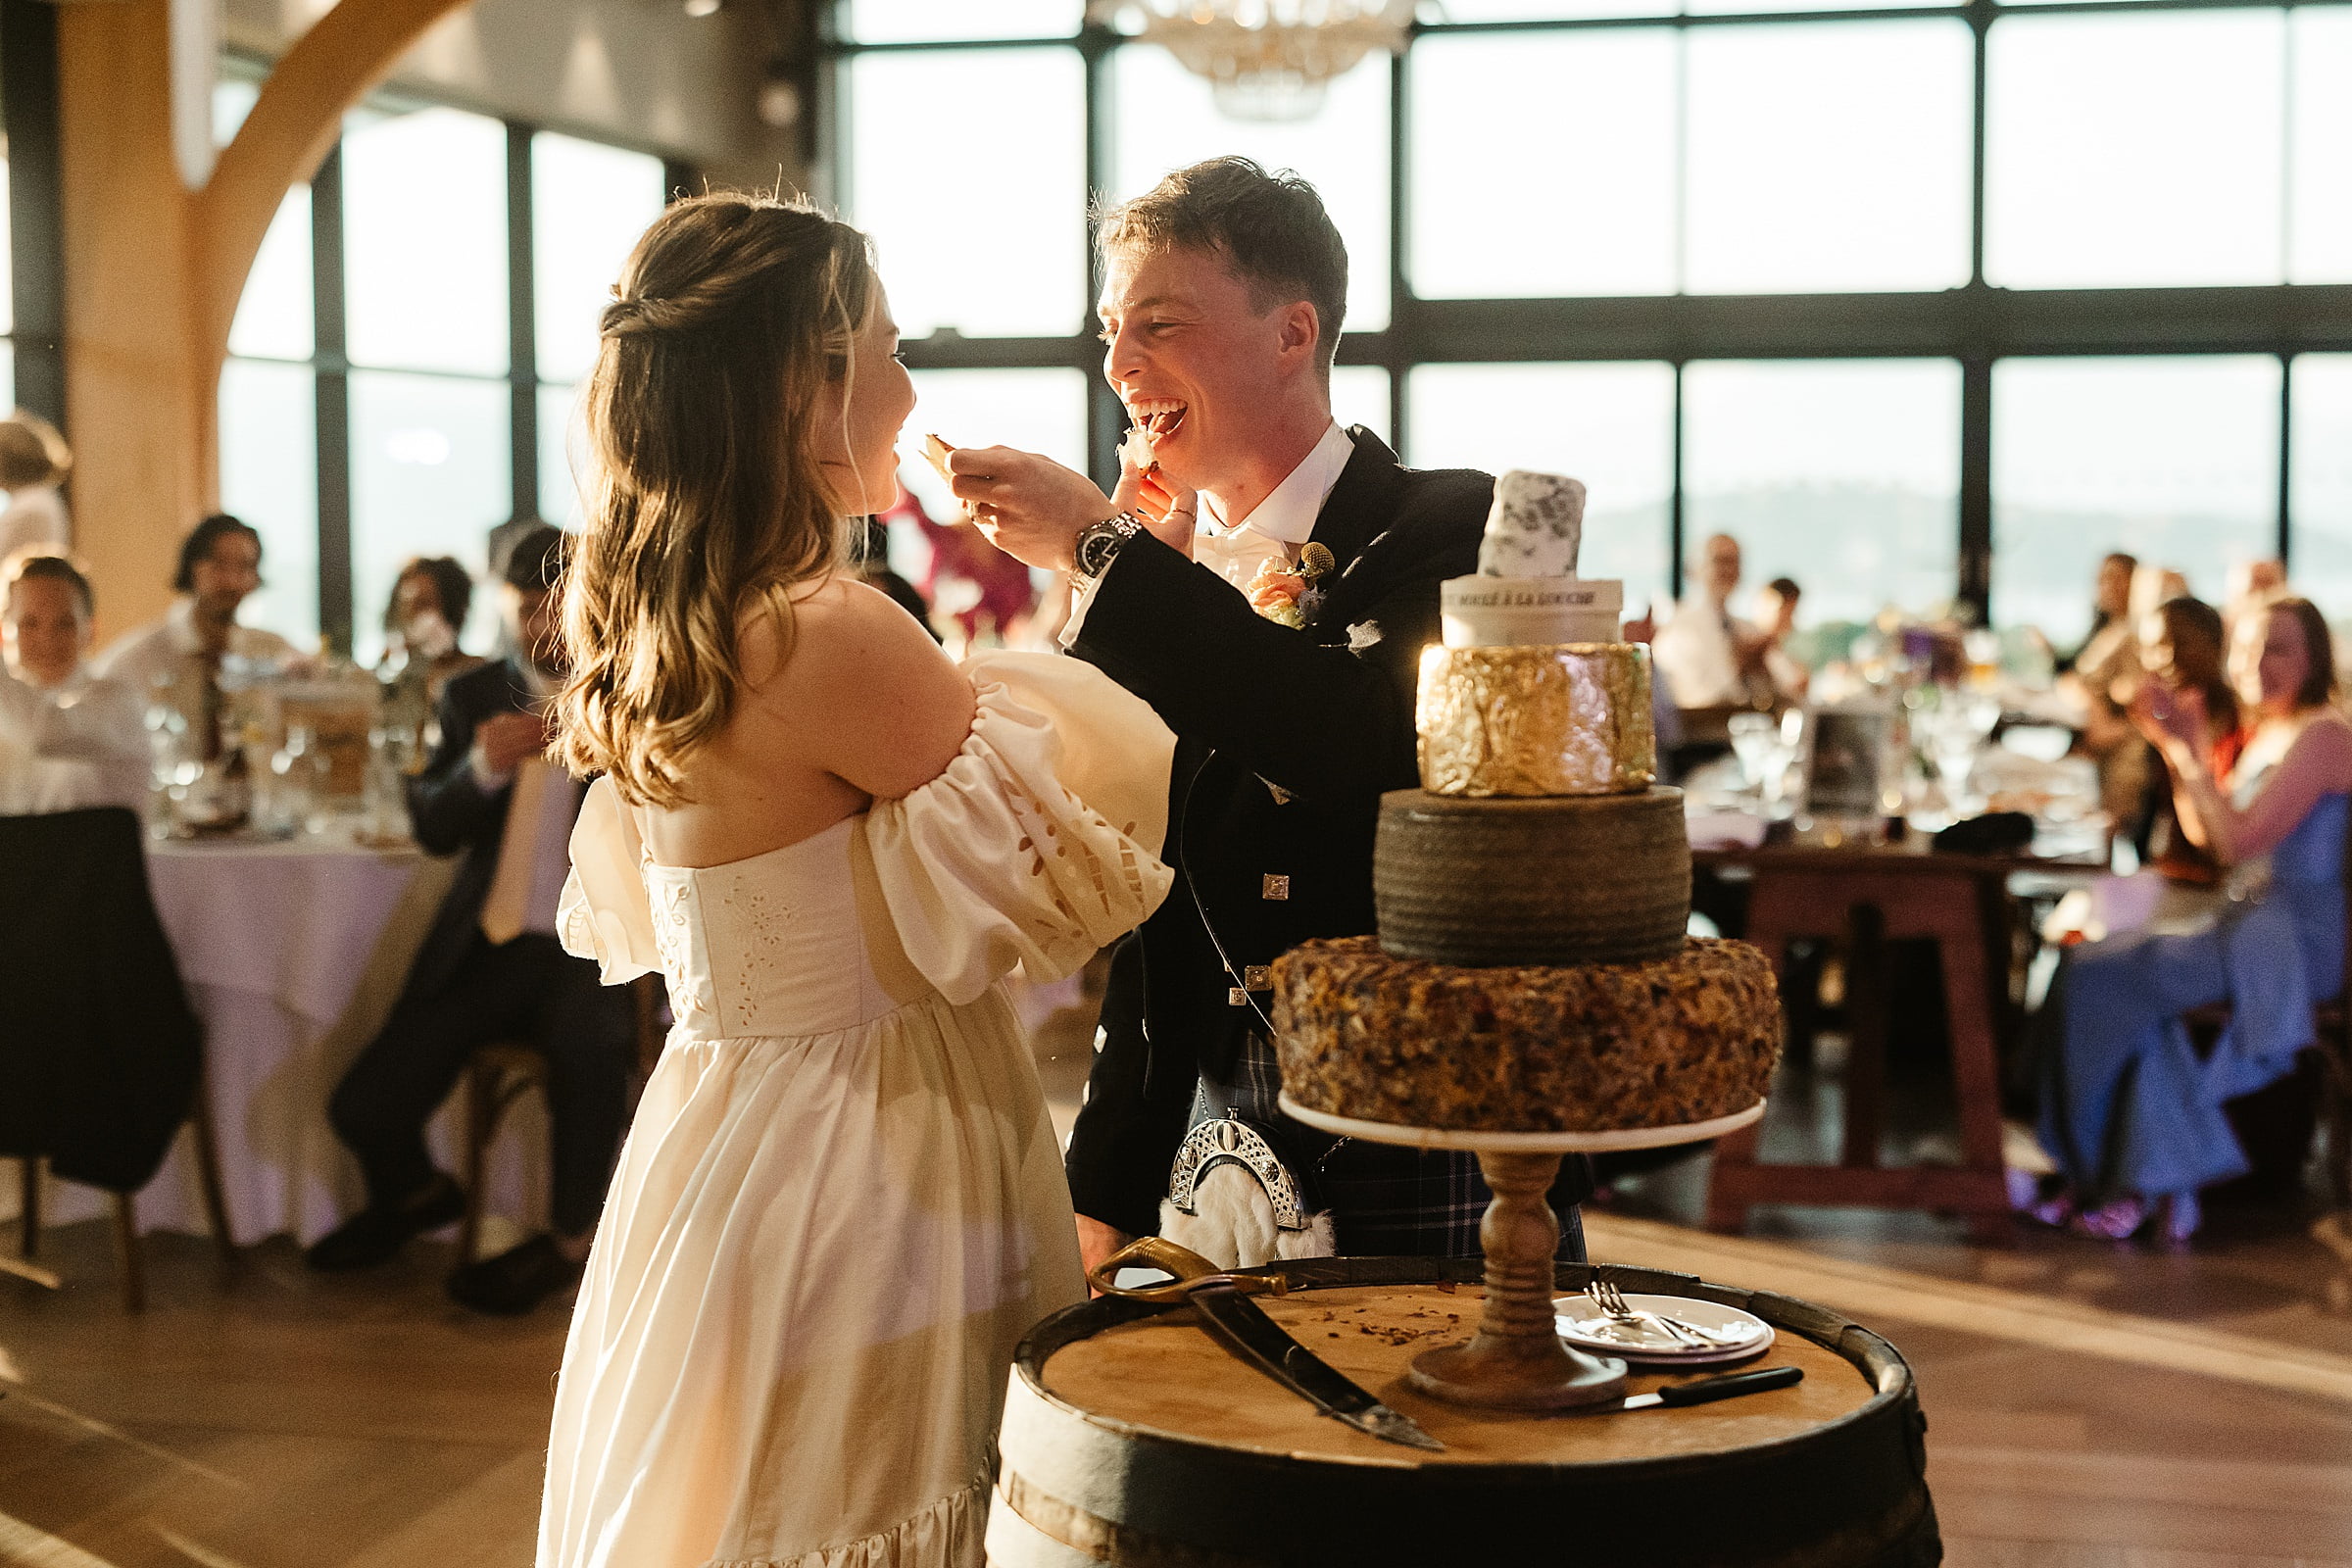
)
(1585, 1326)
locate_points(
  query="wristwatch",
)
(1100, 545)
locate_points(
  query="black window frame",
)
(1974, 324)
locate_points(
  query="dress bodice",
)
(1034, 847)
(775, 945)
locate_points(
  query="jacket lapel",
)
(1359, 507)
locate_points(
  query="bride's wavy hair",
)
(705, 501)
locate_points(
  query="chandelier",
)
(1266, 60)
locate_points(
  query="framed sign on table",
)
(1848, 762)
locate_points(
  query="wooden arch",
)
(154, 270)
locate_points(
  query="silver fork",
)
(1611, 1301)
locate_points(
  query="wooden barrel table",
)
(1131, 1437)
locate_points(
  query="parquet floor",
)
(2091, 1407)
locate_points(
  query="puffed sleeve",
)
(1039, 842)
(603, 913)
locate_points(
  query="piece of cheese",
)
(1536, 527)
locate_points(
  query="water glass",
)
(1755, 737)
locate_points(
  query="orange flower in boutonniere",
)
(1287, 594)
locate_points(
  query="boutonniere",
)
(1286, 594)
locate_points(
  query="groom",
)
(1222, 300)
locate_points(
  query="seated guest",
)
(2250, 585)
(69, 739)
(2110, 617)
(2104, 674)
(219, 565)
(1776, 624)
(1709, 658)
(33, 463)
(2132, 1115)
(430, 600)
(492, 969)
(2180, 650)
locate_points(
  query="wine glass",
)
(1755, 737)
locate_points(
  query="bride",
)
(841, 1204)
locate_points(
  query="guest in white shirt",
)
(1709, 658)
(220, 566)
(34, 462)
(69, 739)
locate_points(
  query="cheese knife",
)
(1241, 1325)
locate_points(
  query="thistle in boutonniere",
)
(1286, 594)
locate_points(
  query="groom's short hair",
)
(1271, 228)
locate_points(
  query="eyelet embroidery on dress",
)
(767, 919)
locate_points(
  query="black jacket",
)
(451, 812)
(100, 1052)
(1255, 705)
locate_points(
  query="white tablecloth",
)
(293, 955)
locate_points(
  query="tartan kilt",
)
(1385, 1201)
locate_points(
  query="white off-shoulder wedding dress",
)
(841, 1204)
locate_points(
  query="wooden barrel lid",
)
(1130, 1437)
(1166, 1373)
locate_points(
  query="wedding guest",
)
(2099, 683)
(1776, 624)
(2152, 586)
(2109, 606)
(2132, 1117)
(1708, 657)
(2180, 648)
(430, 600)
(492, 969)
(1267, 585)
(35, 461)
(69, 738)
(2251, 584)
(179, 658)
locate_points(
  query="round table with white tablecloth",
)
(293, 954)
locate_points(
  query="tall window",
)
(379, 402)
(1932, 303)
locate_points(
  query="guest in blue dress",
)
(2128, 1112)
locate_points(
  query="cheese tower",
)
(1538, 834)
(1531, 973)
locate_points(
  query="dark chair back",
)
(100, 1052)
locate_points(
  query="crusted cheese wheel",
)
(1593, 1048)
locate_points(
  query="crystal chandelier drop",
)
(1266, 60)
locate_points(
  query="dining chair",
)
(504, 1071)
(101, 1055)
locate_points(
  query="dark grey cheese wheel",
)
(1557, 880)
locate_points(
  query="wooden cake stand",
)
(1517, 1359)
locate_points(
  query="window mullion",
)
(334, 394)
(522, 324)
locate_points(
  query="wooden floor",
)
(2091, 1407)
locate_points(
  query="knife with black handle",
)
(1706, 1391)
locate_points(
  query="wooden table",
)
(1868, 895)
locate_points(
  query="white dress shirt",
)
(79, 744)
(1279, 525)
(1697, 652)
(157, 653)
(33, 522)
